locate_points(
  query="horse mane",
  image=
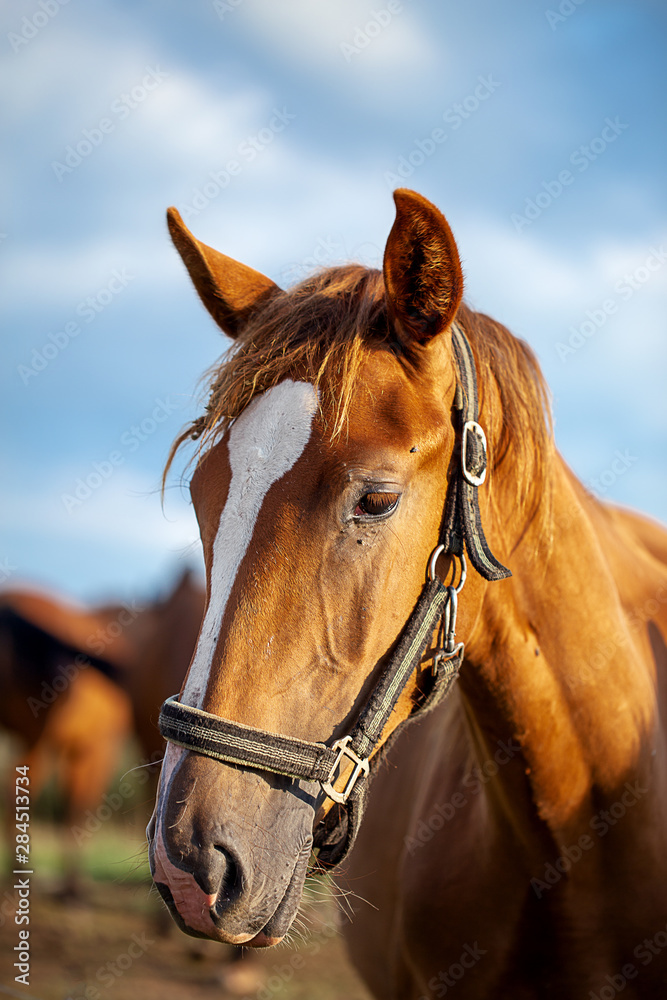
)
(321, 331)
(522, 432)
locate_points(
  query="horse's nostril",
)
(217, 872)
(231, 884)
(225, 872)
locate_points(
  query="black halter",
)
(245, 746)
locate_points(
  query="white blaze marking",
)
(264, 443)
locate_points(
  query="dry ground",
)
(117, 944)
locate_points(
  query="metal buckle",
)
(474, 428)
(448, 646)
(442, 656)
(360, 767)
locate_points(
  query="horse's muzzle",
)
(229, 849)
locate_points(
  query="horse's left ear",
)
(422, 270)
(230, 291)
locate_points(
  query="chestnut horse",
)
(64, 702)
(514, 843)
(77, 680)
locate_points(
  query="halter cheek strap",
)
(244, 746)
(463, 522)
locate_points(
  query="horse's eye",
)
(377, 504)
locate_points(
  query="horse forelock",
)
(324, 329)
(319, 331)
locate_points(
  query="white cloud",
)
(499, 263)
(546, 279)
(248, 222)
(123, 510)
(68, 275)
(314, 35)
(155, 112)
(48, 74)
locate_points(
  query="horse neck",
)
(555, 666)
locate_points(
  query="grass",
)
(113, 853)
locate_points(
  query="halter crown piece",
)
(245, 746)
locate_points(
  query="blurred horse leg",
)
(86, 733)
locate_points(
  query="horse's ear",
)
(229, 290)
(422, 270)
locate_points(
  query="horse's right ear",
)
(422, 271)
(229, 290)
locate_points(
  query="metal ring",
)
(471, 477)
(464, 573)
(437, 552)
(433, 560)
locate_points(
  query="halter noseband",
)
(246, 746)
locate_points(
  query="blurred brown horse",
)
(78, 681)
(162, 640)
(515, 845)
(64, 702)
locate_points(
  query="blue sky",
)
(280, 128)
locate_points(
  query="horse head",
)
(325, 456)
